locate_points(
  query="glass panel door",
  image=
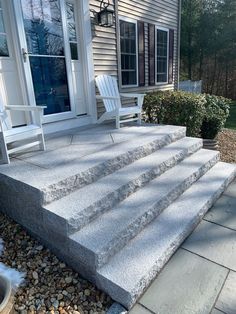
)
(44, 34)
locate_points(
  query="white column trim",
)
(89, 74)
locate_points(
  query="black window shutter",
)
(151, 54)
(171, 56)
(141, 53)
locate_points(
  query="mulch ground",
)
(227, 145)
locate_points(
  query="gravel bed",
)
(50, 286)
(227, 145)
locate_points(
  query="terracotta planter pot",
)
(6, 296)
(210, 144)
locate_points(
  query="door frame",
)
(86, 57)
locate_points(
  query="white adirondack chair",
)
(32, 131)
(111, 97)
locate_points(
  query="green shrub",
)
(176, 108)
(217, 111)
(203, 115)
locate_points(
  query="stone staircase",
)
(118, 214)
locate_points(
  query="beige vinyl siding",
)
(104, 49)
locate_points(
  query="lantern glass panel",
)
(103, 18)
(110, 19)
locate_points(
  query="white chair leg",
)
(102, 118)
(5, 156)
(42, 142)
(139, 121)
(117, 122)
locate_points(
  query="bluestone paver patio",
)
(200, 278)
(227, 299)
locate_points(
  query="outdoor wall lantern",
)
(105, 17)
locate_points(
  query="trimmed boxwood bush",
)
(176, 108)
(217, 111)
(203, 115)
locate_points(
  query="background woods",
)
(208, 45)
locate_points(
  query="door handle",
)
(25, 54)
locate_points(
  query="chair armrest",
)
(107, 97)
(140, 98)
(37, 112)
(131, 95)
(25, 108)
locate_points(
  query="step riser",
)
(129, 298)
(69, 185)
(112, 199)
(96, 260)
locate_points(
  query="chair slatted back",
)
(6, 121)
(107, 86)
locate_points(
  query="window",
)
(3, 36)
(71, 24)
(162, 48)
(128, 47)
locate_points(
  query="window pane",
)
(122, 28)
(162, 55)
(70, 12)
(71, 21)
(71, 25)
(3, 46)
(74, 51)
(43, 26)
(129, 77)
(72, 32)
(50, 83)
(128, 53)
(132, 45)
(3, 37)
(2, 28)
(132, 62)
(127, 45)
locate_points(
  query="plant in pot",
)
(216, 113)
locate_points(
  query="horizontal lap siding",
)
(104, 49)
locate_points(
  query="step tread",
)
(128, 273)
(72, 207)
(122, 222)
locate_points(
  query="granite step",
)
(104, 237)
(127, 274)
(44, 178)
(76, 210)
(106, 161)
